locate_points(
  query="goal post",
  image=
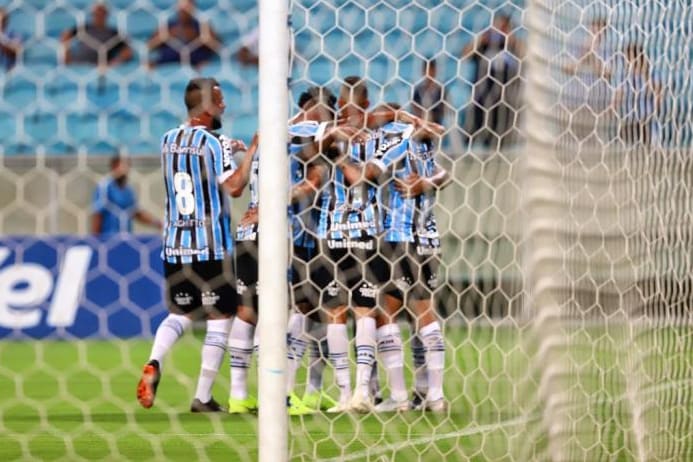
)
(273, 243)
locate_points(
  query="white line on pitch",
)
(428, 439)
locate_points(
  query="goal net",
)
(563, 291)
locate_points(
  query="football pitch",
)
(65, 400)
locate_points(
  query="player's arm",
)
(96, 223)
(236, 182)
(98, 206)
(415, 185)
(148, 219)
(310, 185)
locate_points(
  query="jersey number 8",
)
(185, 201)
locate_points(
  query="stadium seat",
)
(80, 4)
(58, 20)
(22, 21)
(336, 43)
(143, 147)
(397, 43)
(382, 17)
(428, 43)
(412, 19)
(123, 125)
(19, 91)
(162, 121)
(101, 148)
(60, 148)
(60, 91)
(351, 18)
(8, 125)
(367, 42)
(379, 69)
(103, 92)
(141, 24)
(40, 126)
(321, 70)
(82, 126)
(41, 52)
(244, 127)
(18, 149)
(445, 19)
(144, 94)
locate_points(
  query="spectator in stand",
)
(638, 98)
(10, 43)
(247, 54)
(115, 203)
(185, 39)
(95, 42)
(429, 96)
(491, 118)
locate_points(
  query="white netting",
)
(564, 292)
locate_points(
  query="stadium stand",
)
(84, 110)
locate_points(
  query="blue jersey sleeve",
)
(393, 147)
(222, 155)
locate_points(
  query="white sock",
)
(418, 353)
(213, 351)
(167, 334)
(338, 342)
(240, 353)
(296, 343)
(432, 338)
(365, 353)
(318, 352)
(392, 358)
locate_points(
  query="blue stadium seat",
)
(23, 22)
(351, 18)
(18, 149)
(162, 121)
(82, 127)
(41, 52)
(143, 147)
(410, 68)
(123, 125)
(60, 148)
(337, 43)
(103, 92)
(322, 18)
(307, 44)
(144, 93)
(60, 90)
(321, 70)
(382, 17)
(40, 126)
(244, 127)
(19, 91)
(445, 19)
(458, 93)
(80, 4)
(58, 20)
(8, 125)
(398, 43)
(412, 19)
(350, 65)
(428, 43)
(141, 24)
(101, 148)
(367, 42)
(379, 69)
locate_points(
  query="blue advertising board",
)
(80, 287)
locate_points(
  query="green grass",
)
(67, 400)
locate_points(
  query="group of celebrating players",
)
(365, 241)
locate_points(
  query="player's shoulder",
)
(305, 128)
(396, 129)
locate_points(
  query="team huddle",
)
(365, 242)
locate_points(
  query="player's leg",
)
(219, 302)
(389, 336)
(430, 333)
(333, 301)
(370, 272)
(240, 339)
(182, 300)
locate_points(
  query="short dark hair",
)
(196, 89)
(356, 88)
(317, 95)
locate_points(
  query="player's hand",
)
(250, 217)
(346, 133)
(233, 144)
(411, 186)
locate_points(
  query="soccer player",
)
(412, 246)
(198, 167)
(349, 269)
(307, 131)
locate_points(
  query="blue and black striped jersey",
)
(352, 212)
(301, 215)
(425, 225)
(197, 221)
